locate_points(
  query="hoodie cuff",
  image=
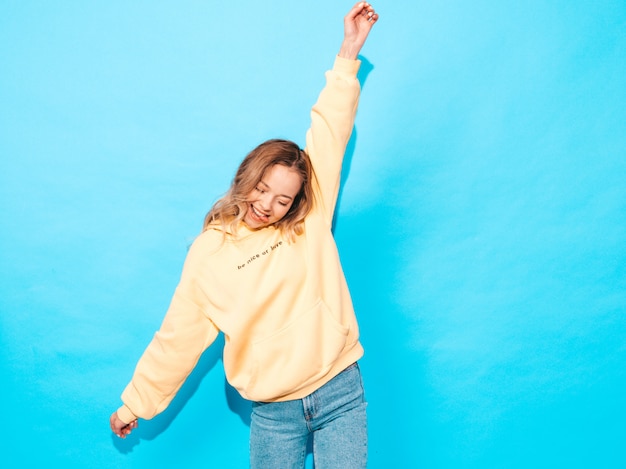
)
(348, 66)
(125, 415)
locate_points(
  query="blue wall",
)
(482, 223)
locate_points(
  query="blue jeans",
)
(334, 415)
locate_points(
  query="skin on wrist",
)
(349, 51)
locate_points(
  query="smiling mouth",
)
(258, 215)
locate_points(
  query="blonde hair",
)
(230, 210)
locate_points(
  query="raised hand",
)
(357, 25)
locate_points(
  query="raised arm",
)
(332, 116)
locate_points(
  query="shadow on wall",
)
(151, 429)
(364, 71)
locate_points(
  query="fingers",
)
(129, 428)
(126, 429)
(365, 10)
(368, 12)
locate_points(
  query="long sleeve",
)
(172, 354)
(332, 120)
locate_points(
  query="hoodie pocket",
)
(297, 355)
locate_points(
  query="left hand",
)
(357, 25)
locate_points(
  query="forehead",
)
(282, 180)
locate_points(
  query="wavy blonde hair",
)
(230, 210)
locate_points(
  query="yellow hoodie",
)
(284, 307)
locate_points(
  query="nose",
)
(265, 202)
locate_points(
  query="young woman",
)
(266, 273)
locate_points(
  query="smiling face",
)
(272, 197)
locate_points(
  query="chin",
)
(253, 224)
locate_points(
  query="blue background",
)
(482, 223)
